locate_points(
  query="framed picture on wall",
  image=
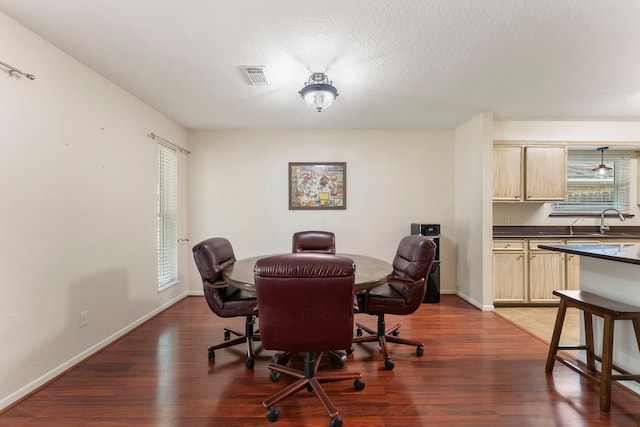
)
(319, 186)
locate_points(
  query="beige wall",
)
(238, 189)
(473, 216)
(78, 219)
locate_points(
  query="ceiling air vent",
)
(256, 75)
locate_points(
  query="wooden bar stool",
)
(610, 311)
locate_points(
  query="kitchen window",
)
(588, 193)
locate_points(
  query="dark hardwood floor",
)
(478, 370)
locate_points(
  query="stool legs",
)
(588, 332)
(607, 349)
(607, 360)
(555, 339)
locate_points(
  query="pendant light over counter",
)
(602, 171)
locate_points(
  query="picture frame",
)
(317, 186)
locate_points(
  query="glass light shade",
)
(602, 171)
(318, 93)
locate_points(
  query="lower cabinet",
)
(524, 274)
(509, 271)
(546, 272)
(509, 277)
(572, 265)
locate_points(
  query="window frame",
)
(167, 211)
(621, 163)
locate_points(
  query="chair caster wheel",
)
(227, 335)
(336, 422)
(358, 384)
(340, 362)
(273, 413)
(420, 351)
(395, 333)
(349, 350)
(249, 363)
(358, 332)
(388, 363)
(274, 376)
(212, 355)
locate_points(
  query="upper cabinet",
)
(534, 173)
(507, 173)
(545, 173)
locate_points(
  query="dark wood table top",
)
(370, 272)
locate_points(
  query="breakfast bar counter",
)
(611, 271)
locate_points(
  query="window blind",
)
(589, 194)
(167, 217)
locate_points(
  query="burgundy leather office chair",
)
(306, 306)
(402, 294)
(211, 257)
(314, 241)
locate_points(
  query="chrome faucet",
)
(603, 225)
(571, 225)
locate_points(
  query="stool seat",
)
(610, 311)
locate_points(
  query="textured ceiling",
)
(395, 63)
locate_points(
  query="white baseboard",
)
(475, 303)
(52, 374)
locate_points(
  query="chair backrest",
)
(413, 261)
(314, 241)
(305, 302)
(211, 257)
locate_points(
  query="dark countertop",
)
(563, 232)
(629, 253)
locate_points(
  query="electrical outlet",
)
(84, 318)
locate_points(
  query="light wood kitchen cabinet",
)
(546, 271)
(524, 274)
(572, 271)
(507, 173)
(572, 264)
(509, 271)
(529, 173)
(546, 173)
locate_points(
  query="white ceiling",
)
(395, 63)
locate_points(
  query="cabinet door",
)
(507, 173)
(546, 273)
(509, 277)
(545, 173)
(572, 264)
(573, 271)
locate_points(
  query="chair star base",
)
(311, 380)
(249, 336)
(385, 336)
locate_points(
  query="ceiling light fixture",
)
(602, 171)
(318, 92)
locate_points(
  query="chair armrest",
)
(405, 281)
(394, 281)
(218, 285)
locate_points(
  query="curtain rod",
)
(167, 143)
(15, 70)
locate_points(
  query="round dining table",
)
(370, 272)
